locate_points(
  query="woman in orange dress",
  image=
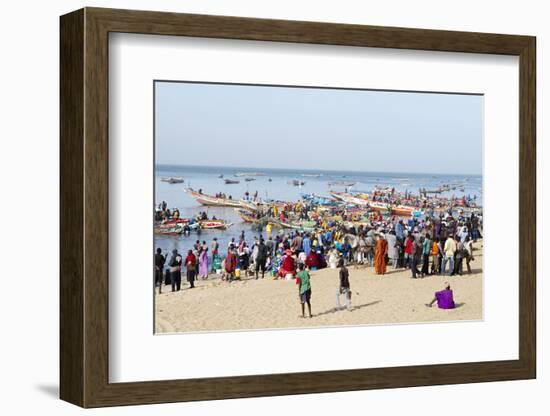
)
(380, 252)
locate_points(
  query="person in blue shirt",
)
(306, 244)
(399, 227)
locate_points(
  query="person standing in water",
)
(304, 289)
(344, 287)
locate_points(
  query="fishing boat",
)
(176, 226)
(249, 205)
(169, 228)
(241, 174)
(296, 182)
(398, 210)
(213, 201)
(361, 200)
(299, 225)
(405, 211)
(249, 179)
(246, 215)
(172, 180)
(343, 184)
(318, 200)
(214, 224)
(250, 218)
(231, 181)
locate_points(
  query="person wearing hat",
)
(175, 270)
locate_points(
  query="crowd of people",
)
(434, 245)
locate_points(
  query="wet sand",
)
(216, 305)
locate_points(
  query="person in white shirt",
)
(449, 255)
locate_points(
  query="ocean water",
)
(207, 179)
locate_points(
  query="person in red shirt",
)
(408, 250)
(230, 264)
(288, 266)
(312, 260)
(191, 265)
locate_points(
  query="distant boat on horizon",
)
(172, 180)
(242, 174)
(342, 183)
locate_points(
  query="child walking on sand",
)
(304, 288)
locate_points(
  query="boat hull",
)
(214, 225)
(212, 201)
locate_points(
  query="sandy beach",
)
(216, 305)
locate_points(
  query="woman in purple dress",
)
(444, 298)
(203, 263)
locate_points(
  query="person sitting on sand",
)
(312, 260)
(304, 289)
(344, 287)
(444, 298)
(288, 265)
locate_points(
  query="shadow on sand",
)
(334, 310)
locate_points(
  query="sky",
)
(313, 128)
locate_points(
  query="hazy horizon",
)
(301, 128)
(260, 169)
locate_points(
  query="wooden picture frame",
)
(84, 207)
